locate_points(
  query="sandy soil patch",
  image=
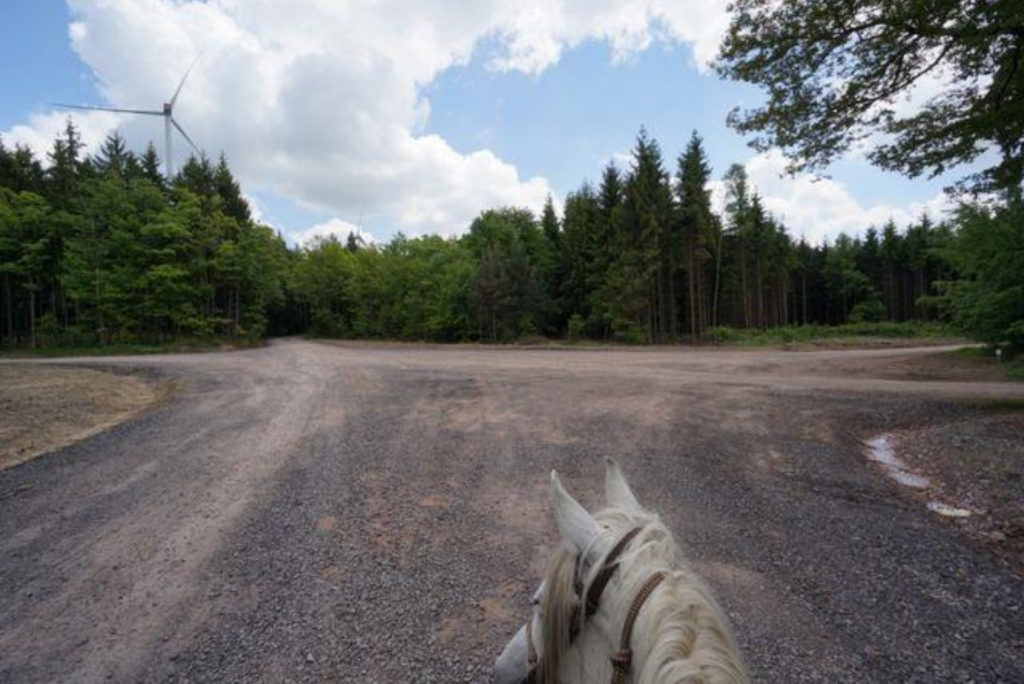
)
(43, 408)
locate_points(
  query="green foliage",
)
(411, 289)
(510, 294)
(810, 334)
(68, 345)
(634, 261)
(576, 327)
(696, 239)
(103, 251)
(833, 71)
(868, 311)
(1010, 361)
(988, 252)
(106, 252)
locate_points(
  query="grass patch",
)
(850, 333)
(997, 405)
(1013, 368)
(129, 349)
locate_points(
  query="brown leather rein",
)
(622, 660)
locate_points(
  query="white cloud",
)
(336, 227)
(323, 101)
(255, 207)
(621, 160)
(536, 33)
(819, 208)
(42, 129)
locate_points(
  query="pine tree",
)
(65, 169)
(697, 228)
(738, 216)
(150, 164)
(644, 308)
(20, 170)
(227, 187)
(553, 269)
(113, 157)
(585, 256)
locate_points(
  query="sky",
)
(389, 116)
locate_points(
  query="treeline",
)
(642, 257)
(102, 249)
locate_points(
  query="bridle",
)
(622, 660)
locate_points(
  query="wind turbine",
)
(167, 113)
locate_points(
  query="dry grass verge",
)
(43, 408)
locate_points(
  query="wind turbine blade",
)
(108, 109)
(188, 71)
(185, 135)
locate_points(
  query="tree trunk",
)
(923, 291)
(760, 295)
(743, 287)
(673, 297)
(891, 282)
(702, 316)
(8, 309)
(64, 310)
(652, 296)
(97, 290)
(690, 292)
(718, 270)
(803, 287)
(32, 317)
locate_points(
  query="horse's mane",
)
(684, 636)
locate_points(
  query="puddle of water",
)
(910, 479)
(947, 510)
(880, 451)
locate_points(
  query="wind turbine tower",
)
(167, 113)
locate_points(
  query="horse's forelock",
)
(692, 643)
(557, 610)
(561, 601)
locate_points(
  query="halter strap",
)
(607, 570)
(591, 602)
(623, 660)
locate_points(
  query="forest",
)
(102, 249)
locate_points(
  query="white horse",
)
(618, 604)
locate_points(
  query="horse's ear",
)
(576, 526)
(617, 492)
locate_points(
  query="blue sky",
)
(415, 138)
(38, 62)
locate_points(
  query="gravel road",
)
(316, 512)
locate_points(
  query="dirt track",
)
(357, 513)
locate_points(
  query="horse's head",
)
(559, 608)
